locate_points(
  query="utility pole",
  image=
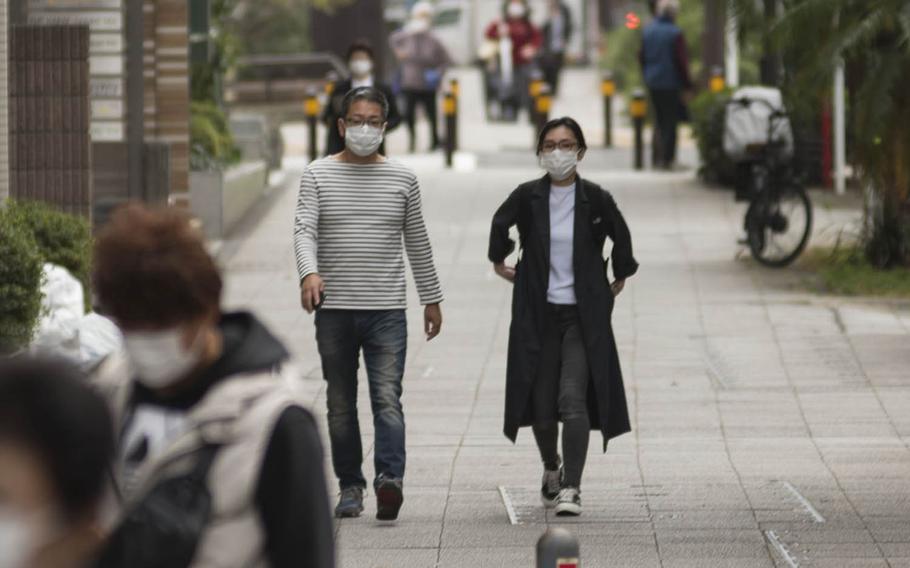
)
(732, 67)
(713, 44)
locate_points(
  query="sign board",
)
(107, 108)
(108, 131)
(107, 62)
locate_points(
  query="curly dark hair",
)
(152, 269)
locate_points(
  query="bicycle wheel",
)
(778, 227)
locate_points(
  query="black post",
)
(542, 109)
(557, 548)
(311, 110)
(769, 64)
(534, 88)
(639, 109)
(449, 108)
(608, 89)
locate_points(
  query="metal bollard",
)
(450, 110)
(330, 79)
(557, 548)
(638, 108)
(717, 83)
(608, 89)
(311, 110)
(542, 106)
(455, 89)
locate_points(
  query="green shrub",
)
(20, 283)
(212, 145)
(708, 112)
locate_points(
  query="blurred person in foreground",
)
(357, 214)
(664, 61)
(361, 62)
(56, 442)
(218, 463)
(424, 61)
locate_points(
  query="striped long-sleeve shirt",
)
(352, 224)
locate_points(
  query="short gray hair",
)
(369, 94)
(667, 7)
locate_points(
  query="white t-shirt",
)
(561, 289)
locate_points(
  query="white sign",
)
(73, 4)
(106, 43)
(107, 109)
(106, 65)
(108, 131)
(96, 21)
(106, 87)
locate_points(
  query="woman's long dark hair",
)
(569, 123)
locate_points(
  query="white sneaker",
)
(568, 503)
(549, 487)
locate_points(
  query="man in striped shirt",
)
(357, 213)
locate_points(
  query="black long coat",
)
(596, 218)
(334, 143)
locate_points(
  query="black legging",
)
(561, 393)
(428, 100)
(668, 111)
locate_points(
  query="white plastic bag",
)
(62, 308)
(98, 338)
(748, 125)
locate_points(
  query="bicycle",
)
(778, 222)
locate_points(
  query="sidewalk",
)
(770, 427)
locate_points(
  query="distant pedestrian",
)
(424, 61)
(665, 64)
(361, 63)
(357, 213)
(56, 444)
(525, 40)
(557, 32)
(219, 464)
(563, 363)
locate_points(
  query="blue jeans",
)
(383, 337)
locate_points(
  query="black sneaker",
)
(389, 497)
(568, 504)
(549, 486)
(350, 503)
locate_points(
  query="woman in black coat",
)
(563, 364)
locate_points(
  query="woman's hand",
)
(617, 286)
(507, 273)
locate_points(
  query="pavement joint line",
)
(805, 502)
(714, 373)
(428, 372)
(510, 508)
(781, 549)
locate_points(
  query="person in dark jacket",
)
(665, 65)
(563, 363)
(194, 385)
(360, 62)
(557, 31)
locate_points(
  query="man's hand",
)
(311, 290)
(617, 286)
(432, 321)
(507, 273)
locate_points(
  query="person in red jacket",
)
(526, 40)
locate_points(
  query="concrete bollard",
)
(638, 108)
(311, 108)
(608, 89)
(557, 548)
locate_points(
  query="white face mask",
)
(17, 542)
(516, 10)
(158, 357)
(363, 141)
(361, 67)
(559, 163)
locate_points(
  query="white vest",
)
(238, 414)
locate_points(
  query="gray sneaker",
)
(568, 504)
(389, 497)
(350, 503)
(549, 486)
